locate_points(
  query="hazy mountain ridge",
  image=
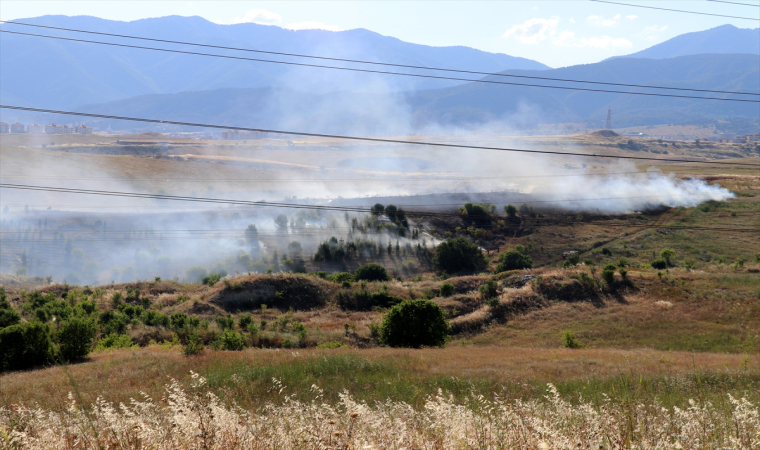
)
(725, 39)
(474, 105)
(90, 73)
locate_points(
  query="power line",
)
(735, 3)
(651, 94)
(674, 10)
(323, 180)
(407, 66)
(370, 139)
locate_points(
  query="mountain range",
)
(64, 74)
(134, 82)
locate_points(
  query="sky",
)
(556, 33)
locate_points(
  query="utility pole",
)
(609, 118)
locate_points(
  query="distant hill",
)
(725, 39)
(53, 73)
(474, 105)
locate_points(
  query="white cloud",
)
(632, 17)
(572, 20)
(312, 26)
(260, 16)
(652, 32)
(568, 39)
(533, 31)
(600, 21)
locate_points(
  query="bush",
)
(458, 254)
(75, 338)
(511, 211)
(340, 277)
(331, 344)
(245, 320)
(231, 340)
(115, 341)
(668, 255)
(606, 251)
(211, 279)
(225, 323)
(659, 264)
(512, 260)
(488, 290)
(569, 340)
(415, 323)
(193, 345)
(9, 317)
(608, 275)
(23, 346)
(447, 290)
(372, 272)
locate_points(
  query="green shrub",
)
(225, 323)
(115, 341)
(608, 275)
(193, 345)
(340, 277)
(659, 264)
(457, 255)
(331, 344)
(415, 323)
(212, 278)
(75, 338)
(154, 318)
(492, 302)
(569, 340)
(606, 251)
(231, 340)
(9, 317)
(623, 273)
(24, 346)
(179, 321)
(447, 290)
(196, 274)
(372, 272)
(488, 290)
(689, 264)
(245, 320)
(513, 260)
(668, 255)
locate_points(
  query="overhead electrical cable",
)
(675, 10)
(356, 61)
(735, 3)
(371, 139)
(650, 94)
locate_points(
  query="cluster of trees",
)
(337, 250)
(394, 213)
(55, 331)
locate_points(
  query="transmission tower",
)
(609, 118)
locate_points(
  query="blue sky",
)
(556, 33)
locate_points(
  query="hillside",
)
(725, 39)
(88, 73)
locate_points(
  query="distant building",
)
(17, 128)
(51, 128)
(84, 129)
(67, 129)
(35, 128)
(4, 127)
(748, 138)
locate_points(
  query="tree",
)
(459, 254)
(391, 211)
(415, 323)
(294, 248)
(513, 260)
(668, 255)
(377, 209)
(252, 236)
(232, 340)
(608, 275)
(23, 346)
(75, 338)
(281, 221)
(371, 272)
(447, 289)
(511, 211)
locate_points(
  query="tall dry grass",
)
(193, 418)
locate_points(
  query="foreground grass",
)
(190, 419)
(246, 378)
